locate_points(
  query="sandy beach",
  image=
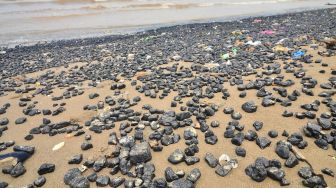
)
(203, 74)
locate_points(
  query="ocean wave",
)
(57, 1)
(259, 2)
(202, 3)
(60, 6)
(181, 5)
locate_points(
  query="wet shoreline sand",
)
(166, 58)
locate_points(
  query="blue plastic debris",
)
(298, 54)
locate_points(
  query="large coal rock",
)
(140, 153)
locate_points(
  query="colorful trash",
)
(280, 48)
(282, 41)
(255, 43)
(234, 51)
(236, 32)
(298, 54)
(225, 56)
(149, 38)
(257, 21)
(268, 32)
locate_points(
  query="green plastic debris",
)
(149, 38)
(225, 56)
(234, 51)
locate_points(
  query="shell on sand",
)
(82, 168)
(58, 146)
(224, 158)
(225, 161)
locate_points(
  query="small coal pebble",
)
(240, 151)
(46, 168)
(273, 133)
(176, 157)
(40, 181)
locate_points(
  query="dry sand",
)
(271, 116)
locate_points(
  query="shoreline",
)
(165, 27)
(92, 31)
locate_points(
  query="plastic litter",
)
(149, 38)
(255, 43)
(267, 32)
(237, 32)
(281, 41)
(58, 146)
(280, 48)
(298, 54)
(225, 56)
(234, 51)
(257, 21)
